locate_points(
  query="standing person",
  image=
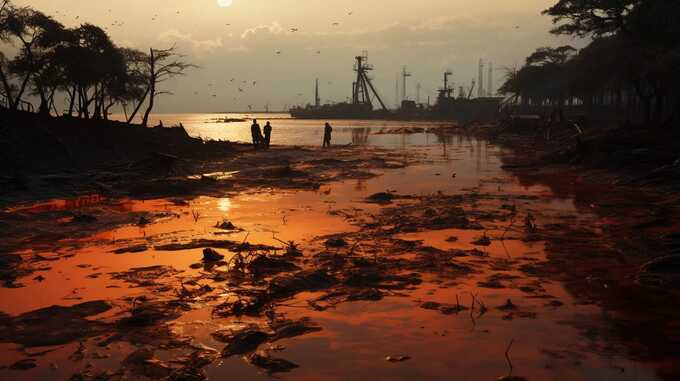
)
(257, 134)
(267, 135)
(327, 132)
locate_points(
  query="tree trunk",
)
(139, 105)
(152, 95)
(17, 100)
(6, 86)
(152, 86)
(72, 101)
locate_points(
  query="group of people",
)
(264, 141)
(259, 140)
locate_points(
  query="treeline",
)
(633, 59)
(81, 64)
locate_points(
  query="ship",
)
(366, 103)
(364, 95)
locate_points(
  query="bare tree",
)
(162, 65)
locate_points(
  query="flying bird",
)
(294, 30)
(336, 24)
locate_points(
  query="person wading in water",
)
(267, 135)
(327, 134)
(257, 134)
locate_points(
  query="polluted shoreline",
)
(315, 258)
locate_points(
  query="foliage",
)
(81, 63)
(634, 51)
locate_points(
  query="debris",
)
(270, 364)
(508, 306)
(289, 328)
(267, 265)
(336, 242)
(83, 219)
(244, 342)
(482, 241)
(24, 364)
(226, 225)
(132, 249)
(54, 325)
(210, 255)
(397, 358)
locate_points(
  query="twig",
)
(507, 356)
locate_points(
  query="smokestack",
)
(317, 100)
(490, 91)
(480, 82)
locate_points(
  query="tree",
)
(161, 65)
(591, 17)
(36, 34)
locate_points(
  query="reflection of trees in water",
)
(360, 136)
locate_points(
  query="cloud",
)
(175, 36)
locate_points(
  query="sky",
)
(239, 40)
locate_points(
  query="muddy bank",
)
(626, 260)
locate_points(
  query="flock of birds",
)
(241, 88)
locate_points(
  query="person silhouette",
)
(267, 135)
(257, 134)
(327, 134)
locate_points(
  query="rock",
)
(210, 255)
(336, 242)
(244, 342)
(270, 364)
(380, 198)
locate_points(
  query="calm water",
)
(289, 131)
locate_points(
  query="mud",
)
(331, 257)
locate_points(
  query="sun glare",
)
(225, 3)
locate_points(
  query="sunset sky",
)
(240, 41)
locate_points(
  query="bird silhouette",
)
(294, 30)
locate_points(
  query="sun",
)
(225, 3)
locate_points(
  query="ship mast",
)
(363, 87)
